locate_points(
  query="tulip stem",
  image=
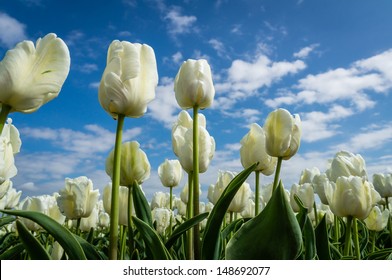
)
(171, 209)
(114, 216)
(189, 214)
(277, 172)
(315, 213)
(257, 192)
(196, 234)
(356, 239)
(5, 110)
(130, 224)
(336, 228)
(347, 241)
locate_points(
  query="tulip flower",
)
(103, 220)
(7, 162)
(306, 195)
(383, 184)
(78, 198)
(377, 219)
(161, 217)
(321, 183)
(160, 200)
(307, 175)
(129, 80)
(346, 164)
(90, 222)
(193, 85)
(282, 137)
(123, 203)
(32, 75)
(10, 199)
(134, 164)
(11, 133)
(182, 141)
(170, 173)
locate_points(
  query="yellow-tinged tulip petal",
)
(31, 76)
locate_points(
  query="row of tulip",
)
(352, 220)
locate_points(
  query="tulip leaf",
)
(184, 227)
(6, 220)
(211, 236)
(12, 252)
(274, 234)
(142, 208)
(70, 245)
(89, 250)
(322, 241)
(152, 240)
(33, 247)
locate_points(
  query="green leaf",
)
(152, 240)
(13, 252)
(182, 228)
(89, 250)
(33, 247)
(211, 236)
(142, 208)
(274, 234)
(70, 245)
(322, 241)
(6, 220)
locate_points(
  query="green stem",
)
(336, 228)
(130, 224)
(356, 239)
(257, 192)
(189, 214)
(123, 233)
(389, 225)
(78, 226)
(114, 216)
(277, 172)
(315, 213)
(347, 241)
(5, 110)
(373, 233)
(196, 231)
(171, 210)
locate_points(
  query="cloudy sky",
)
(328, 61)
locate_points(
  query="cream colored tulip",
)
(321, 183)
(7, 162)
(78, 198)
(182, 142)
(185, 192)
(308, 174)
(253, 150)
(170, 173)
(383, 184)
(129, 80)
(352, 196)
(90, 222)
(123, 203)
(160, 200)
(283, 134)
(193, 85)
(377, 219)
(346, 164)
(161, 217)
(11, 133)
(31, 76)
(306, 195)
(11, 199)
(134, 164)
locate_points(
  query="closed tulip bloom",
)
(11, 199)
(352, 196)
(308, 175)
(103, 220)
(185, 192)
(160, 200)
(78, 198)
(170, 173)
(193, 85)
(383, 184)
(134, 164)
(90, 222)
(161, 217)
(31, 76)
(7, 162)
(123, 203)
(182, 141)
(253, 150)
(305, 193)
(129, 80)
(346, 164)
(11, 133)
(321, 183)
(377, 219)
(283, 134)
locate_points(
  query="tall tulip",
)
(253, 150)
(282, 137)
(32, 75)
(346, 164)
(193, 85)
(170, 173)
(383, 184)
(127, 86)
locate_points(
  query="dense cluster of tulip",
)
(337, 214)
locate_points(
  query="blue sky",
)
(328, 61)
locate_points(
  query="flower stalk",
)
(347, 241)
(277, 172)
(5, 110)
(196, 198)
(257, 192)
(114, 217)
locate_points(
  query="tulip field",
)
(340, 214)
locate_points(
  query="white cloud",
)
(304, 52)
(11, 31)
(219, 47)
(178, 23)
(177, 57)
(87, 67)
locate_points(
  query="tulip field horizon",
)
(157, 168)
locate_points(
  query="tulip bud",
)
(185, 193)
(77, 199)
(170, 173)
(7, 162)
(129, 80)
(134, 164)
(10, 199)
(283, 134)
(253, 150)
(182, 141)
(383, 184)
(352, 196)
(160, 200)
(346, 164)
(377, 220)
(193, 85)
(308, 175)
(161, 217)
(321, 184)
(123, 203)
(31, 76)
